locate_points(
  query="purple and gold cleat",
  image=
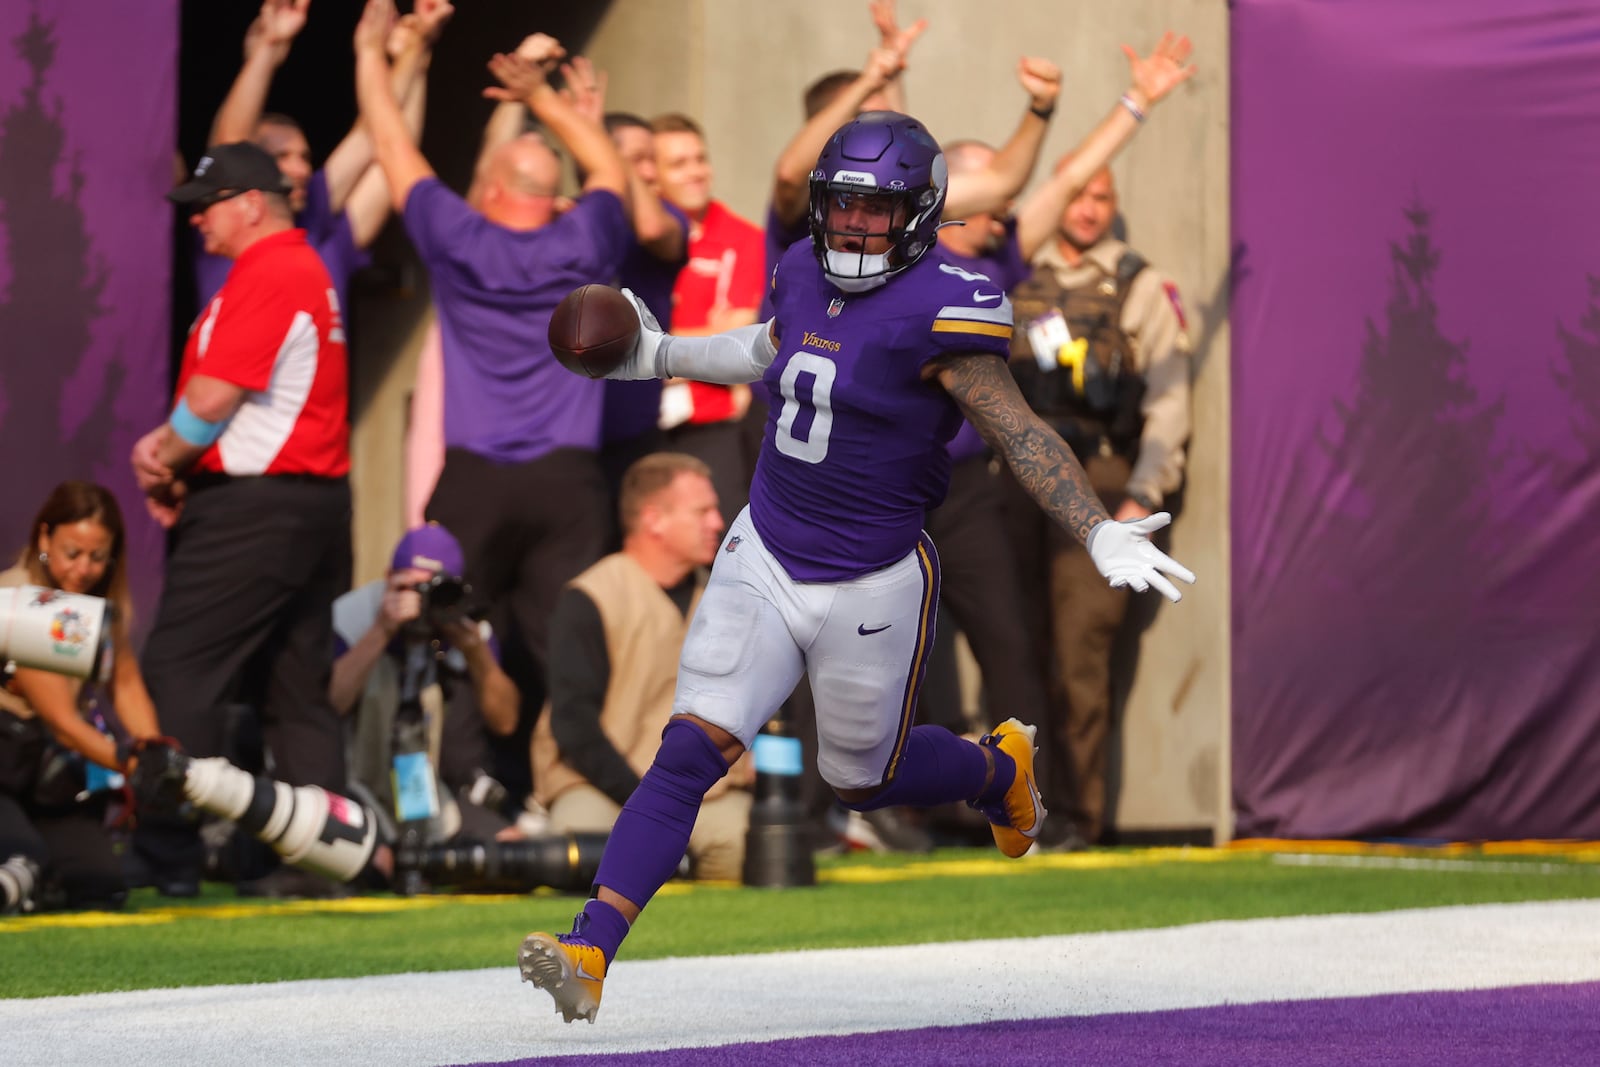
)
(570, 971)
(1016, 819)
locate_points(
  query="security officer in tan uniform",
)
(1100, 352)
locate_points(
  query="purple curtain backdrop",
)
(88, 93)
(1416, 418)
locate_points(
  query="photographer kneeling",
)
(411, 636)
(59, 735)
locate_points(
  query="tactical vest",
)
(1105, 412)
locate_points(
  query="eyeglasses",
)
(215, 198)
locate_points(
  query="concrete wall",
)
(740, 68)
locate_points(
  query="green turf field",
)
(861, 900)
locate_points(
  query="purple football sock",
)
(602, 926)
(938, 767)
(652, 833)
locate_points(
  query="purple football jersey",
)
(1006, 268)
(506, 398)
(854, 452)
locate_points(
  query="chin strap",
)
(862, 281)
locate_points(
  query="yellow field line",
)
(849, 875)
(1057, 861)
(1573, 851)
(1576, 851)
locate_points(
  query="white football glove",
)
(641, 364)
(1124, 554)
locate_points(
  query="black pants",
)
(246, 615)
(981, 590)
(79, 867)
(526, 530)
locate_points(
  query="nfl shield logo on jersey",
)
(836, 306)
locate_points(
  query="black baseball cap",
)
(228, 170)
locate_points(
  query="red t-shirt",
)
(727, 267)
(274, 330)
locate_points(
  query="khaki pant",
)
(716, 845)
(1074, 616)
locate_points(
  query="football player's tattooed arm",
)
(1044, 465)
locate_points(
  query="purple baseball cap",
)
(429, 548)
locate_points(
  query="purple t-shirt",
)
(779, 239)
(630, 409)
(505, 397)
(854, 452)
(326, 231)
(1006, 268)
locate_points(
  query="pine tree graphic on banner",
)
(1418, 447)
(53, 298)
(1579, 374)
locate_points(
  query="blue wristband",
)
(192, 428)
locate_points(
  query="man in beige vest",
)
(615, 637)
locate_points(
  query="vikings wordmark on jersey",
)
(855, 440)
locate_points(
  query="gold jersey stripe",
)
(988, 329)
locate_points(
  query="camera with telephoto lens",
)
(445, 600)
(566, 862)
(310, 827)
(51, 630)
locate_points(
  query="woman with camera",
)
(53, 728)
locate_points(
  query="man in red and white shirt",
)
(249, 473)
(719, 289)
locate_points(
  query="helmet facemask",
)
(876, 196)
(862, 235)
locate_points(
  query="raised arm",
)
(992, 188)
(266, 46)
(792, 173)
(892, 37)
(349, 169)
(411, 46)
(522, 78)
(392, 141)
(1152, 77)
(1048, 471)
(657, 230)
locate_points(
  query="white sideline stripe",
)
(470, 1016)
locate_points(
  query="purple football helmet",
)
(890, 162)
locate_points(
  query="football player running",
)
(878, 347)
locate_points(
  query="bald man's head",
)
(520, 182)
(527, 167)
(981, 234)
(965, 157)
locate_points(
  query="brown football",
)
(593, 330)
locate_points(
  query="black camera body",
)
(443, 593)
(445, 599)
